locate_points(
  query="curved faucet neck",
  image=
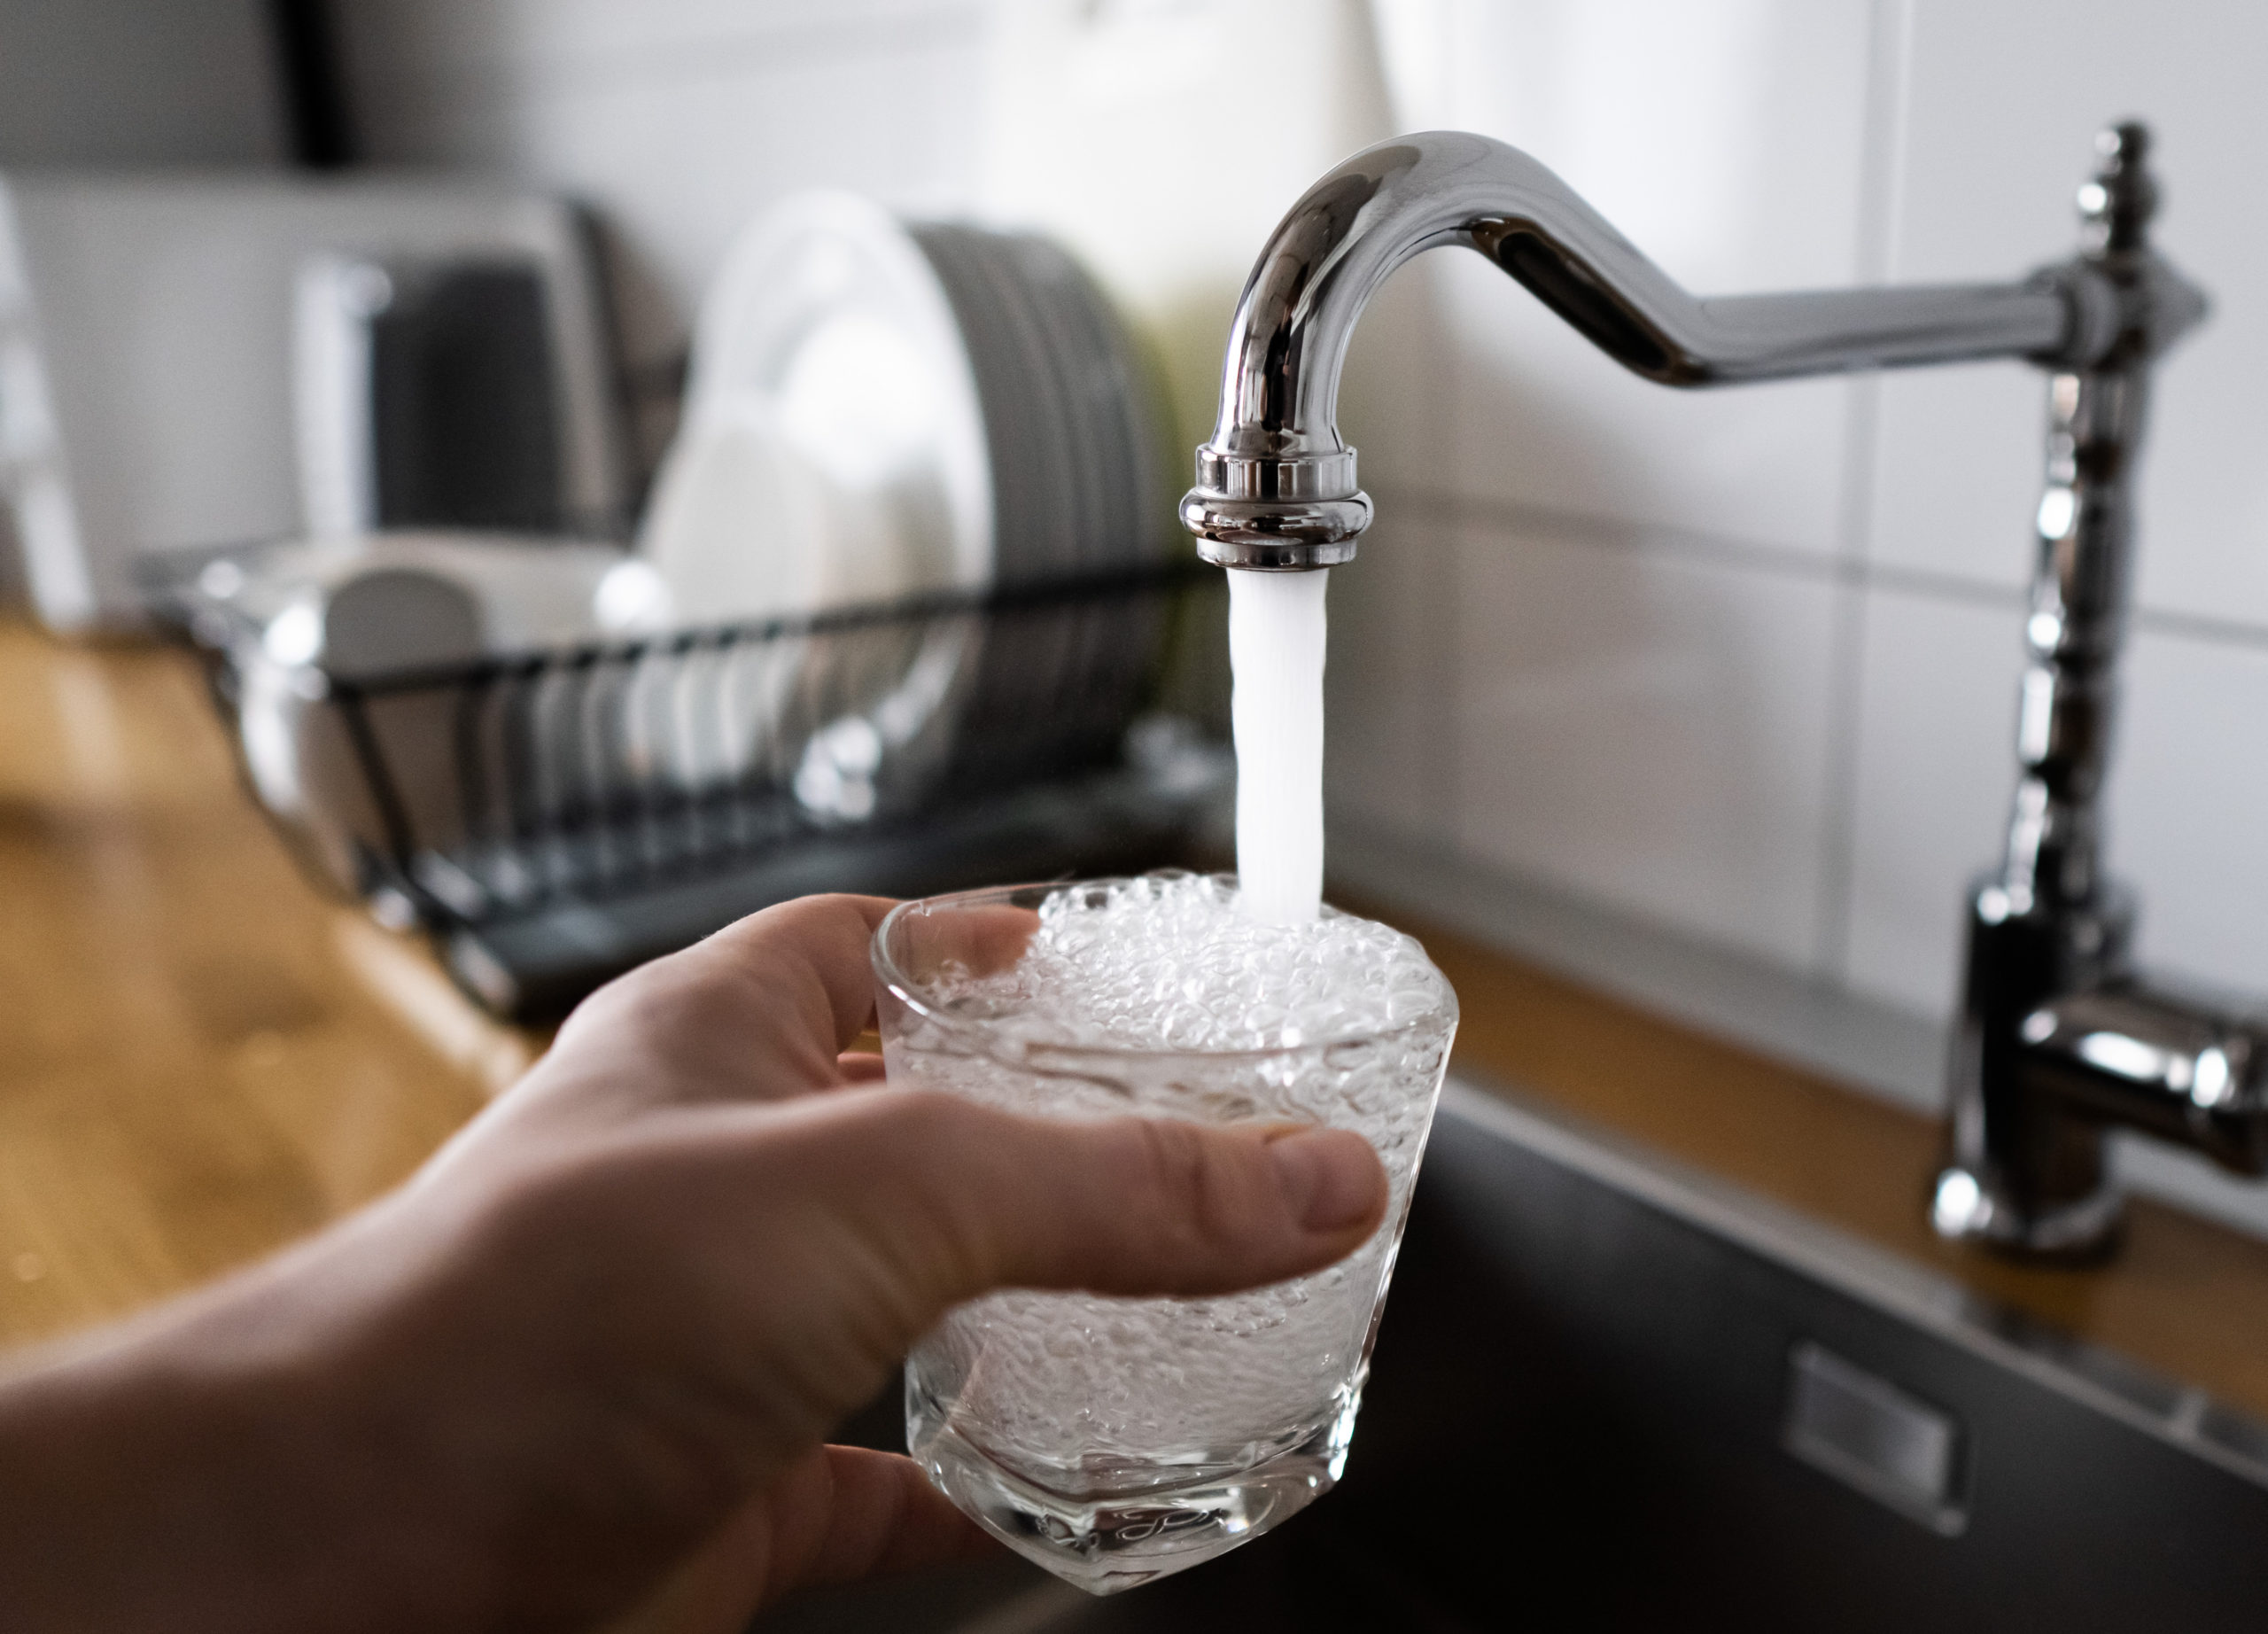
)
(1275, 486)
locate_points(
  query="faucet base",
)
(1968, 1207)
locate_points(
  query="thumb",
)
(966, 1198)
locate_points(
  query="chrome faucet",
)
(2058, 1040)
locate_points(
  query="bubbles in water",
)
(1072, 1391)
(1169, 962)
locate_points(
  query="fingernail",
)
(1330, 1177)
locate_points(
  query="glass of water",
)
(1117, 1439)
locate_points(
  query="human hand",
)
(591, 1352)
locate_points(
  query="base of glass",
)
(1107, 1543)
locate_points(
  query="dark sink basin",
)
(1608, 1394)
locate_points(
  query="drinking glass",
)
(1117, 1440)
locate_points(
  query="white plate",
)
(833, 452)
(828, 319)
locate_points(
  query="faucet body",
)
(2058, 1040)
(1276, 484)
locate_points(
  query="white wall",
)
(127, 82)
(1745, 662)
(677, 120)
(1742, 662)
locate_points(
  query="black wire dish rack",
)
(556, 817)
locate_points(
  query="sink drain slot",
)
(1871, 1435)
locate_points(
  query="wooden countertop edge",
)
(400, 972)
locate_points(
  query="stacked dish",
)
(879, 410)
(1071, 431)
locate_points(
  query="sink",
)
(1613, 1392)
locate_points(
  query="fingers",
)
(1156, 1205)
(860, 1067)
(962, 1198)
(812, 952)
(841, 1513)
(860, 1512)
(975, 939)
(758, 1011)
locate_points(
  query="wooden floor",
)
(201, 1057)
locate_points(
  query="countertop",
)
(202, 1057)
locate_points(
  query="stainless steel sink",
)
(1610, 1394)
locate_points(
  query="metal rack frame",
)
(503, 802)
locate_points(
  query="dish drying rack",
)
(553, 818)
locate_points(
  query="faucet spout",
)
(1275, 487)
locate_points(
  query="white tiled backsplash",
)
(1746, 662)
(1742, 662)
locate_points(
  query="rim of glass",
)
(904, 989)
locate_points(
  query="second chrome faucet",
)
(2058, 1040)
